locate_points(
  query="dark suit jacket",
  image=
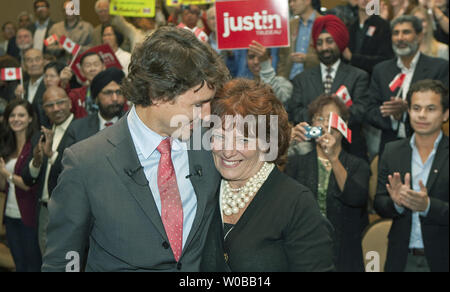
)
(374, 49)
(37, 103)
(397, 158)
(347, 210)
(83, 128)
(281, 230)
(308, 86)
(54, 172)
(96, 200)
(383, 74)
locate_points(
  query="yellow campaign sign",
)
(188, 2)
(133, 8)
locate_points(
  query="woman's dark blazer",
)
(347, 210)
(281, 230)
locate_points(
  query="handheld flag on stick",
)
(338, 123)
(50, 40)
(344, 95)
(69, 45)
(10, 74)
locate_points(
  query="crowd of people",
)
(93, 167)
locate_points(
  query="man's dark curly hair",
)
(170, 62)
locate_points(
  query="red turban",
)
(334, 26)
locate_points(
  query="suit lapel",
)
(124, 157)
(341, 73)
(316, 79)
(421, 71)
(439, 160)
(200, 189)
(405, 160)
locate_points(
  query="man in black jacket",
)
(387, 108)
(418, 204)
(370, 40)
(44, 166)
(106, 90)
(327, 32)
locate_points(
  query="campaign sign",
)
(172, 3)
(136, 8)
(242, 21)
(108, 57)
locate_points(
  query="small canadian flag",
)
(9, 74)
(69, 45)
(338, 123)
(344, 95)
(397, 82)
(50, 40)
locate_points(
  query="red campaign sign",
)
(107, 54)
(239, 22)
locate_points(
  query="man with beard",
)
(110, 100)
(391, 79)
(44, 166)
(20, 43)
(332, 76)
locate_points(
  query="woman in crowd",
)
(114, 39)
(52, 73)
(429, 45)
(338, 180)
(20, 212)
(270, 222)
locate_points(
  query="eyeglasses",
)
(111, 92)
(320, 120)
(49, 105)
(31, 60)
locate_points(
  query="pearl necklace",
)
(235, 199)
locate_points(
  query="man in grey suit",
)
(141, 199)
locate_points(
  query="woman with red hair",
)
(270, 223)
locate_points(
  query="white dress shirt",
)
(409, 73)
(39, 35)
(59, 133)
(323, 70)
(33, 87)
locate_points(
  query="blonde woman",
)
(429, 45)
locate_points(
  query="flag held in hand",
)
(344, 95)
(397, 82)
(338, 123)
(10, 74)
(69, 45)
(50, 40)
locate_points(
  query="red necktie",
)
(108, 124)
(171, 206)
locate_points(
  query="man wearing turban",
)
(330, 38)
(108, 96)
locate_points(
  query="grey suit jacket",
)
(97, 200)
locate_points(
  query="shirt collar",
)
(37, 81)
(64, 125)
(145, 139)
(413, 65)
(103, 121)
(335, 66)
(310, 19)
(412, 142)
(38, 25)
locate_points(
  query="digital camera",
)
(313, 132)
